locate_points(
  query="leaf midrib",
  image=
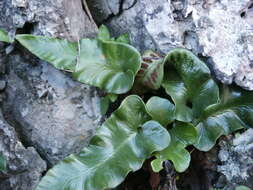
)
(222, 110)
(133, 135)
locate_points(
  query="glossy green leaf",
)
(4, 37)
(121, 145)
(112, 97)
(124, 38)
(103, 33)
(109, 65)
(151, 73)
(104, 104)
(62, 54)
(234, 112)
(157, 164)
(161, 110)
(2, 163)
(182, 135)
(188, 81)
(241, 187)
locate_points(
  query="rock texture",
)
(59, 18)
(221, 31)
(43, 108)
(51, 111)
(236, 156)
(25, 166)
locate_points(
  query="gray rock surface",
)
(61, 18)
(219, 30)
(52, 115)
(24, 165)
(103, 10)
(236, 156)
(52, 112)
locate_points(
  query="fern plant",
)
(194, 110)
(2, 163)
(241, 187)
(4, 37)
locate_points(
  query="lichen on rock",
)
(236, 160)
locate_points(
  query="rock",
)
(103, 10)
(226, 37)
(2, 85)
(53, 115)
(127, 4)
(218, 30)
(2, 60)
(61, 18)
(236, 160)
(100, 9)
(24, 165)
(47, 108)
(52, 112)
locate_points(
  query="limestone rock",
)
(226, 36)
